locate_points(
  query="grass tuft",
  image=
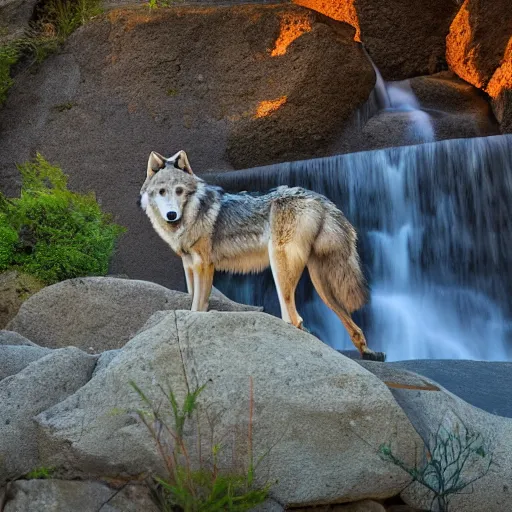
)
(204, 485)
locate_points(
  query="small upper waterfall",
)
(392, 115)
(398, 97)
(435, 237)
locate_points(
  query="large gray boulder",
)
(37, 387)
(322, 416)
(67, 496)
(14, 338)
(441, 417)
(100, 313)
(14, 358)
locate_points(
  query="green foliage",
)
(8, 57)
(185, 487)
(51, 232)
(449, 455)
(40, 473)
(8, 240)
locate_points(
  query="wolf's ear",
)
(180, 161)
(155, 163)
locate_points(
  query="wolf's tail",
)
(334, 264)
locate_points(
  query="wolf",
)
(287, 229)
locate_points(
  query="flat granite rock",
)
(322, 416)
(101, 313)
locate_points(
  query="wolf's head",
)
(169, 185)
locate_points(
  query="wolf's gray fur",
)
(287, 229)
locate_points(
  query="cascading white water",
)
(392, 115)
(436, 239)
(398, 97)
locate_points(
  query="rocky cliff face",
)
(407, 39)
(479, 50)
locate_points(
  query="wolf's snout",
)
(172, 216)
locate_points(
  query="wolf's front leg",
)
(206, 282)
(203, 282)
(189, 273)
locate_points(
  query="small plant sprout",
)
(196, 478)
(40, 473)
(454, 458)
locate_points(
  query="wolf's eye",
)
(162, 191)
(179, 191)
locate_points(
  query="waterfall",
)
(392, 115)
(402, 99)
(435, 237)
(397, 98)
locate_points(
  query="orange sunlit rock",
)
(292, 26)
(267, 107)
(502, 78)
(341, 10)
(461, 55)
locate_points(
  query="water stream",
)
(434, 224)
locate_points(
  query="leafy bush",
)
(188, 487)
(51, 232)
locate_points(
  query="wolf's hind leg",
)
(287, 268)
(356, 334)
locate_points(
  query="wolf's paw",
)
(304, 328)
(370, 355)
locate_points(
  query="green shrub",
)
(187, 487)
(51, 232)
(8, 240)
